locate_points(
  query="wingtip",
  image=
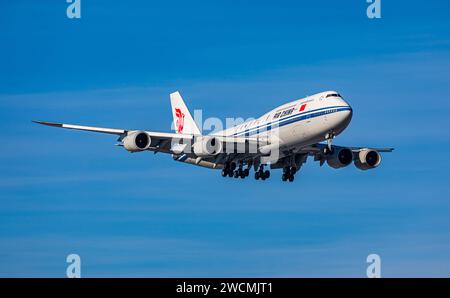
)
(47, 123)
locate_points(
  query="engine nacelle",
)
(367, 159)
(340, 158)
(207, 146)
(136, 141)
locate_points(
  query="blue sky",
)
(65, 192)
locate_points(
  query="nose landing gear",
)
(329, 148)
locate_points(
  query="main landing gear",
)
(231, 171)
(261, 174)
(238, 171)
(288, 174)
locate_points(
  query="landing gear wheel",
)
(293, 171)
(261, 174)
(246, 172)
(224, 173)
(257, 175)
(267, 174)
(236, 174)
(288, 174)
(230, 173)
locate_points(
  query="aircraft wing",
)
(161, 141)
(86, 128)
(317, 148)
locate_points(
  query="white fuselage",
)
(301, 122)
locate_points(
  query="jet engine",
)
(207, 146)
(340, 158)
(136, 141)
(367, 159)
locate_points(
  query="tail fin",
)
(182, 119)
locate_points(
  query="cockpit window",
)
(333, 95)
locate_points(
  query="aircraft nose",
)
(347, 116)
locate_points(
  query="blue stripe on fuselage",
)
(294, 118)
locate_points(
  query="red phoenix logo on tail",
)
(180, 120)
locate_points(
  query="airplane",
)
(283, 138)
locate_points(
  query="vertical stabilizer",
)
(182, 118)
